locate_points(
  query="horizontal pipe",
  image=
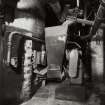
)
(84, 21)
(23, 32)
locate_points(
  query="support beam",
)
(84, 21)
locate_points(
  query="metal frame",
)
(20, 32)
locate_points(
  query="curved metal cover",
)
(55, 44)
(55, 38)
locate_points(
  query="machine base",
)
(69, 92)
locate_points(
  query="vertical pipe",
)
(77, 3)
(85, 10)
(104, 55)
(1, 47)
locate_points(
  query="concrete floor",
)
(96, 97)
(97, 93)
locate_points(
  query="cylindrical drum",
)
(29, 15)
